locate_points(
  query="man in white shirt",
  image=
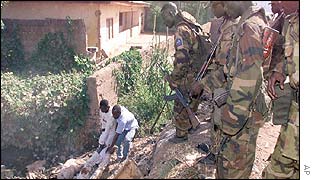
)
(108, 125)
(127, 125)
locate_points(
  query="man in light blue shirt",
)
(126, 128)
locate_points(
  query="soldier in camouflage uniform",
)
(277, 51)
(240, 118)
(220, 32)
(186, 64)
(285, 158)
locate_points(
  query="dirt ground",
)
(266, 141)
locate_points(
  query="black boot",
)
(209, 159)
(176, 139)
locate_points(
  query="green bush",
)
(142, 91)
(12, 52)
(53, 54)
(43, 107)
(131, 64)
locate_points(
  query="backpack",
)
(204, 42)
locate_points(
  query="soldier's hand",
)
(196, 88)
(273, 79)
(170, 82)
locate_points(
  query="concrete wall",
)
(102, 84)
(56, 10)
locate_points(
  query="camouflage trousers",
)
(284, 162)
(182, 122)
(237, 157)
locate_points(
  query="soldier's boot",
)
(204, 147)
(193, 130)
(176, 139)
(209, 159)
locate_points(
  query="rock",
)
(169, 157)
(6, 173)
(129, 170)
(35, 166)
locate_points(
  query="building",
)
(108, 24)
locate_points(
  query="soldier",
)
(284, 162)
(186, 64)
(277, 51)
(241, 119)
(221, 32)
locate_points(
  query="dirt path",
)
(266, 142)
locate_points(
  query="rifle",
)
(178, 95)
(209, 60)
(192, 117)
(157, 118)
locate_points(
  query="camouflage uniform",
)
(285, 158)
(240, 120)
(215, 77)
(186, 64)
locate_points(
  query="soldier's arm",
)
(286, 66)
(215, 78)
(182, 62)
(246, 82)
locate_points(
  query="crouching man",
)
(127, 125)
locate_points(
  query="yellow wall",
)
(55, 9)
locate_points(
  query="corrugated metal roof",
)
(140, 2)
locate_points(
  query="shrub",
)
(12, 52)
(142, 91)
(53, 54)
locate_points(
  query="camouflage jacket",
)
(290, 63)
(215, 78)
(227, 29)
(186, 45)
(245, 69)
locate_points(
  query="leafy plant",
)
(141, 87)
(53, 54)
(12, 52)
(43, 106)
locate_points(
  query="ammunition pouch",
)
(281, 105)
(220, 96)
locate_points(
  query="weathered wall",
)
(32, 31)
(102, 84)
